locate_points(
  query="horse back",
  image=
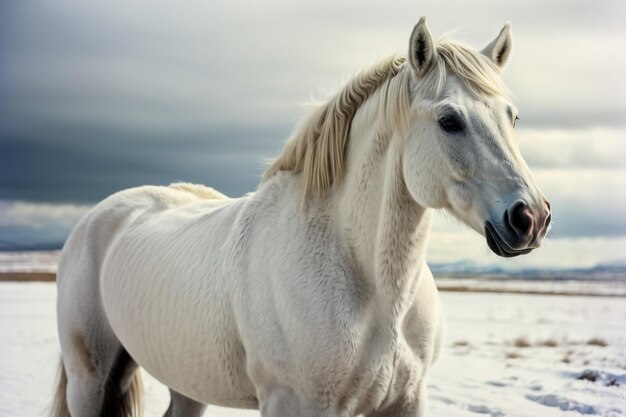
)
(99, 227)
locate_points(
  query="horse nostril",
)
(548, 215)
(547, 222)
(520, 219)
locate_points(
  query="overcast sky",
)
(100, 96)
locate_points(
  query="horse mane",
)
(200, 191)
(317, 148)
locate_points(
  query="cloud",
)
(214, 64)
(585, 202)
(25, 225)
(583, 174)
(591, 148)
(60, 164)
(40, 216)
(554, 85)
(100, 96)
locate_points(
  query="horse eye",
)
(451, 124)
(515, 121)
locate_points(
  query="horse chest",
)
(359, 367)
(394, 370)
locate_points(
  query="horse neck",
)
(384, 227)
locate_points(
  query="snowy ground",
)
(33, 261)
(505, 355)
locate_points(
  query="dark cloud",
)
(215, 63)
(100, 96)
(75, 164)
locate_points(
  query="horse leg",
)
(407, 406)
(102, 379)
(181, 406)
(98, 377)
(284, 402)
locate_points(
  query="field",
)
(505, 354)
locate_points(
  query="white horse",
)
(310, 297)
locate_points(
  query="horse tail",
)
(119, 400)
(123, 395)
(59, 407)
(131, 404)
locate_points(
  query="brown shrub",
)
(513, 355)
(548, 343)
(597, 341)
(521, 342)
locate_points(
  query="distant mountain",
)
(26, 247)
(467, 269)
(620, 263)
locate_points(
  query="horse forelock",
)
(317, 148)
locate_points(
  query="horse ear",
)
(421, 48)
(500, 49)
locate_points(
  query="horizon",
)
(29, 260)
(97, 98)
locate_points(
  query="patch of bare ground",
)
(460, 288)
(595, 376)
(27, 276)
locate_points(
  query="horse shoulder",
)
(307, 308)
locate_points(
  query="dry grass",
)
(566, 359)
(612, 383)
(589, 375)
(597, 341)
(521, 342)
(461, 343)
(512, 355)
(594, 376)
(548, 343)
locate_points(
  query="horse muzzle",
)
(520, 230)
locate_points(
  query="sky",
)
(100, 96)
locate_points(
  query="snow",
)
(504, 355)
(522, 355)
(32, 261)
